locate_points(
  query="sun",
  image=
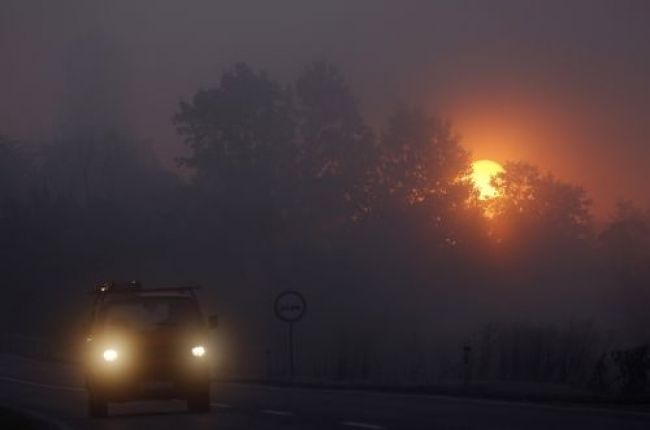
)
(483, 171)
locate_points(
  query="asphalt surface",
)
(53, 393)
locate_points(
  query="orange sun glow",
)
(483, 171)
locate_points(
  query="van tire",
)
(199, 402)
(97, 406)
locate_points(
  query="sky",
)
(561, 84)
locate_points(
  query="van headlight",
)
(110, 355)
(198, 351)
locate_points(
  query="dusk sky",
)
(561, 84)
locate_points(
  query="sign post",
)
(290, 307)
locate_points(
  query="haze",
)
(541, 81)
(437, 197)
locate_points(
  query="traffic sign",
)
(290, 306)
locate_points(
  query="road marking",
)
(48, 419)
(53, 422)
(570, 407)
(274, 412)
(35, 384)
(221, 405)
(362, 425)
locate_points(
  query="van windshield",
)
(148, 313)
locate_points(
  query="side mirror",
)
(213, 321)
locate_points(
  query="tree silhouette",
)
(335, 147)
(289, 186)
(627, 240)
(626, 246)
(242, 155)
(236, 130)
(15, 171)
(532, 203)
(422, 174)
(14, 175)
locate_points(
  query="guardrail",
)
(41, 348)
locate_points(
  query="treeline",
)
(287, 186)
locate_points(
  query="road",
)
(54, 392)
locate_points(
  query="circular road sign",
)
(290, 306)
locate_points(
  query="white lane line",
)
(362, 425)
(221, 405)
(60, 425)
(571, 407)
(35, 384)
(274, 412)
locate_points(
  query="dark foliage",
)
(289, 187)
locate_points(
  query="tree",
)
(541, 235)
(627, 240)
(25, 234)
(422, 175)
(531, 204)
(14, 175)
(335, 147)
(15, 186)
(626, 254)
(236, 131)
(240, 136)
(420, 223)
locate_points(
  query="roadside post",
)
(467, 365)
(290, 307)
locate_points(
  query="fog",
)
(524, 80)
(254, 147)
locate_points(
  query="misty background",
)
(253, 147)
(535, 80)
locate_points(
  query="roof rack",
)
(113, 287)
(103, 289)
(179, 288)
(135, 286)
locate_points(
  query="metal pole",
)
(467, 365)
(291, 359)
